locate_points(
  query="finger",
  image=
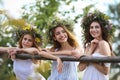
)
(60, 69)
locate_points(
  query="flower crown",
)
(27, 29)
(55, 22)
(97, 16)
(66, 22)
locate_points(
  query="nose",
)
(26, 41)
(61, 34)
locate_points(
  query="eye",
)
(57, 33)
(30, 40)
(24, 38)
(97, 26)
(63, 31)
(91, 27)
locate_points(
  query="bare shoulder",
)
(104, 48)
(103, 42)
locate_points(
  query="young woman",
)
(64, 44)
(25, 69)
(97, 36)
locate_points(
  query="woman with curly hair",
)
(97, 33)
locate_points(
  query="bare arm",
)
(67, 52)
(83, 65)
(50, 56)
(88, 52)
(76, 52)
(102, 68)
(31, 50)
(4, 49)
(104, 51)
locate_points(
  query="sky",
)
(14, 9)
(14, 6)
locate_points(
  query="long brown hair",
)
(71, 39)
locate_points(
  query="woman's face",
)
(27, 41)
(60, 35)
(95, 30)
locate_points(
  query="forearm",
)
(101, 68)
(69, 53)
(28, 50)
(48, 55)
(5, 49)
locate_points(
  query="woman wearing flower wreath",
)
(97, 32)
(64, 44)
(25, 69)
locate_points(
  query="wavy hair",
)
(71, 39)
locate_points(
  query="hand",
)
(60, 65)
(12, 52)
(94, 44)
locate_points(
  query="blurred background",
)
(16, 13)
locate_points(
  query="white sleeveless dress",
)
(91, 73)
(26, 70)
(69, 71)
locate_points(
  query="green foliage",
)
(114, 10)
(6, 71)
(44, 68)
(41, 12)
(38, 13)
(115, 16)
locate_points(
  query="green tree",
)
(114, 10)
(5, 40)
(41, 12)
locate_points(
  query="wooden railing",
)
(113, 59)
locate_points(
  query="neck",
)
(99, 38)
(66, 46)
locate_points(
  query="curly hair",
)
(97, 16)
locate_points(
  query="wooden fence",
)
(113, 59)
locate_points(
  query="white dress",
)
(91, 73)
(69, 71)
(25, 70)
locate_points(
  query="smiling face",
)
(27, 41)
(95, 30)
(60, 35)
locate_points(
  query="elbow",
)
(106, 71)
